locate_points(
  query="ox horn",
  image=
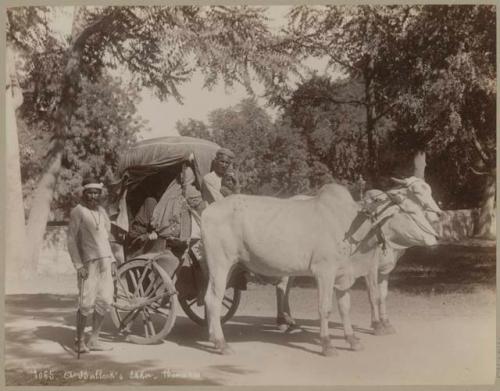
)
(399, 181)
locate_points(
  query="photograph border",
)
(3, 244)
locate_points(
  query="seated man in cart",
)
(165, 226)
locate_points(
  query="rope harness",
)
(373, 212)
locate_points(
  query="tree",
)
(272, 157)
(293, 170)
(245, 129)
(360, 41)
(161, 47)
(430, 71)
(333, 130)
(193, 128)
(13, 226)
(103, 125)
(451, 94)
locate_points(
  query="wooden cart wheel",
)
(145, 302)
(196, 313)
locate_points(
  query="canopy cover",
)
(148, 157)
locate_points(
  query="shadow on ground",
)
(32, 320)
(446, 268)
(263, 329)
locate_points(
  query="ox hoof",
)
(388, 328)
(223, 348)
(355, 343)
(289, 328)
(328, 350)
(226, 351)
(383, 328)
(378, 328)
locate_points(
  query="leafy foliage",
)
(73, 104)
(104, 124)
(271, 157)
(411, 73)
(331, 123)
(427, 72)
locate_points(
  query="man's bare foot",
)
(97, 346)
(80, 347)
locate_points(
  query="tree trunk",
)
(370, 121)
(419, 164)
(370, 128)
(40, 209)
(486, 224)
(43, 194)
(15, 237)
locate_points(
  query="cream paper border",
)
(3, 173)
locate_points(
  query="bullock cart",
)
(147, 290)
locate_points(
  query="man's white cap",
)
(92, 183)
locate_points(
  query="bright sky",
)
(198, 102)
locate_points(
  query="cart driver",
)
(91, 254)
(222, 181)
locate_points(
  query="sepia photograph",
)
(249, 195)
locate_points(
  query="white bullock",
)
(382, 203)
(276, 237)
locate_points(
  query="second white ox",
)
(379, 206)
(277, 237)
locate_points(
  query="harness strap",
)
(367, 223)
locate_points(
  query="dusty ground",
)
(442, 338)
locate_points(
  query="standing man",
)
(212, 182)
(91, 254)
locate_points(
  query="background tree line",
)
(412, 76)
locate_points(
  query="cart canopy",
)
(149, 157)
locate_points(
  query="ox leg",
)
(374, 298)
(344, 304)
(284, 317)
(213, 302)
(325, 292)
(383, 291)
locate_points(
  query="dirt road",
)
(441, 339)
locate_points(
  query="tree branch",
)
(484, 156)
(478, 172)
(91, 29)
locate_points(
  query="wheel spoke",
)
(117, 295)
(129, 318)
(132, 275)
(162, 311)
(124, 289)
(144, 322)
(141, 279)
(140, 288)
(152, 283)
(158, 290)
(227, 302)
(150, 322)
